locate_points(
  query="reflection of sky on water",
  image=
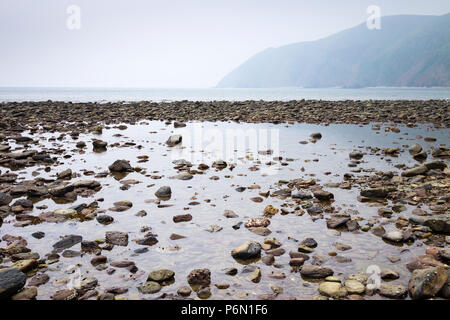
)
(202, 249)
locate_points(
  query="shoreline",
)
(408, 112)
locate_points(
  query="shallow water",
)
(211, 94)
(202, 249)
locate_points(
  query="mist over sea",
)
(211, 94)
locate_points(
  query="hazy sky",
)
(165, 43)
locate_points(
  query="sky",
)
(164, 43)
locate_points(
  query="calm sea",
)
(211, 94)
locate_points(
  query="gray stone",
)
(248, 250)
(11, 281)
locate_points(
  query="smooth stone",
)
(312, 271)
(248, 250)
(149, 287)
(332, 289)
(354, 287)
(67, 242)
(11, 281)
(393, 291)
(161, 275)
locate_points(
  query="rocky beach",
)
(122, 200)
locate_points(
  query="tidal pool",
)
(325, 160)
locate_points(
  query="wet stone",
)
(426, 283)
(120, 166)
(147, 241)
(161, 275)
(248, 250)
(117, 238)
(11, 281)
(184, 291)
(182, 218)
(150, 287)
(393, 291)
(38, 280)
(313, 271)
(67, 242)
(105, 219)
(163, 192)
(38, 235)
(200, 277)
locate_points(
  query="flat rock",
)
(317, 272)
(332, 289)
(149, 287)
(161, 275)
(117, 238)
(420, 170)
(354, 287)
(67, 242)
(392, 291)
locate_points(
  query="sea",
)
(103, 95)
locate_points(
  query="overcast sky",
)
(165, 43)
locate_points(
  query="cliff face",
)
(407, 51)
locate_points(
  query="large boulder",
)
(11, 281)
(438, 223)
(426, 283)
